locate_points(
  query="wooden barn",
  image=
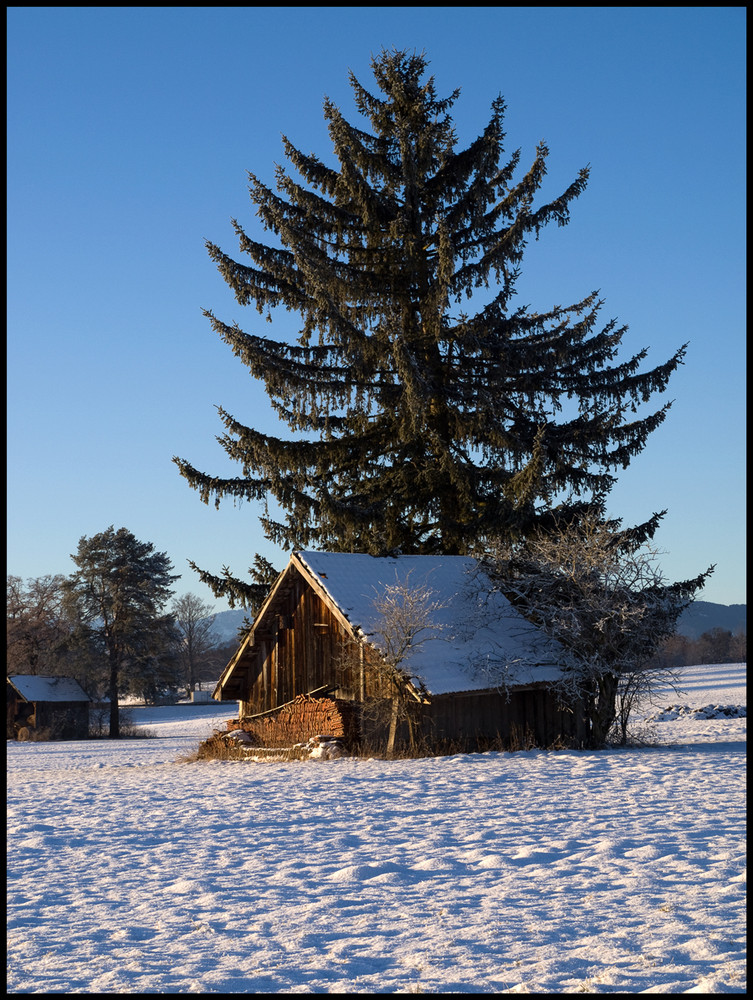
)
(46, 708)
(480, 675)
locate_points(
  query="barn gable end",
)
(300, 642)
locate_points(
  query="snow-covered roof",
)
(32, 687)
(479, 642)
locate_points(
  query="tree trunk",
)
(604, 710)
(411, 733)
(114, 707)
(393, 725)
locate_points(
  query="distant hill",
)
(227, 623)
(700, 617)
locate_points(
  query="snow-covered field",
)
(621, 871)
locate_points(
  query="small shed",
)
(46, 708)
(480, 675)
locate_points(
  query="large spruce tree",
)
(417, 425)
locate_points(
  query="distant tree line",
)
(39, 640)
(111, 626)
(718, 645)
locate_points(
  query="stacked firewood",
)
(300, 721)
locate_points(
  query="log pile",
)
(306, 728)
(301, 720)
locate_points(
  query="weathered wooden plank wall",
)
(60, 720)
(530, 715)
(306, 648)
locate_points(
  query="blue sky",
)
(130, 131)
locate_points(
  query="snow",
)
(34, 687)
(620, 871)
(471, 617)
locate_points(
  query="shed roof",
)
(479, 640)
(33, 687)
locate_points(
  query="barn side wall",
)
(64, 720)
(12, 712)
(53, 720)
(526, 717)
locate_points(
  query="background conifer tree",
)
(117, 594)
(416, 425)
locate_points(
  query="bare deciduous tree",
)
(597, 590)
(36, 624)
(196, 641)
(407, 616)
